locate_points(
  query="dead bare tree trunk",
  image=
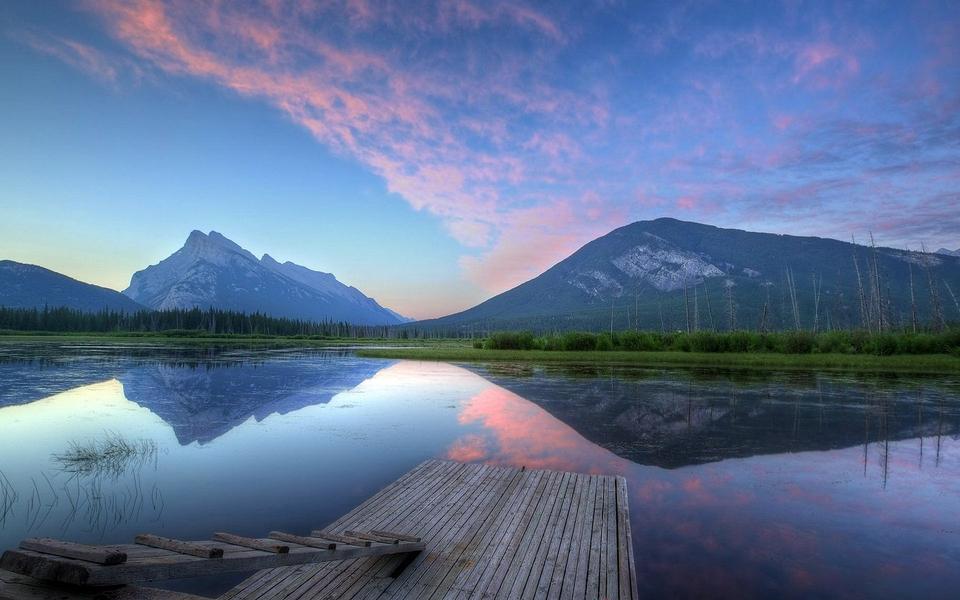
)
(636, 309)
(913, 300)
(731, 308)
(706, 296)
(816, 302)
(936, 310)
(952, 296)
(696, 309)
(660, 310)
(794, 305)
(864, 317)
(611, 316)
(877, 285)
(686, 307)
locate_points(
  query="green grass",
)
(926, 363)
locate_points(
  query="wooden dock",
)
(490, 532)
(443, 530)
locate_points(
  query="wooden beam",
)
(343, 539)
(399, 536)
(174, 566)
(179, 546)
(238, 540)
(102, 555)
(362, 535)
(303, 540)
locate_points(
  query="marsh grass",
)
(111, 455)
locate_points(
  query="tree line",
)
(183, 322)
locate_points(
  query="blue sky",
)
(436, 154)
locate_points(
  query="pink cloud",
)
(825, 65)
(535, 238)
(783, 122)
(80, 56)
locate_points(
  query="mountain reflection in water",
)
(741, 484)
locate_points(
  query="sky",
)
(435, 153)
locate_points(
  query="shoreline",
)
(923, 363)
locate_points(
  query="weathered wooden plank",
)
(178, 546)
(611, 587)
(596, 544)
(628, 573)
(566, 566)
(363, 535)
(561, 534)
(101, 555)
(303, 540)
(255, 544)
(77, 572)
(399, 536)
(582, 573)
(343, 539)
(20, 587)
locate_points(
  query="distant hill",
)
(212, 271)
(30, 286)
(665, 273)
(949, 252)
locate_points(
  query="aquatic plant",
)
(111, 455)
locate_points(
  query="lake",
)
(742, 483)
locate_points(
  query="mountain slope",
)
(213, 271)
(672, 272)
(30, 286)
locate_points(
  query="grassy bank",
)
(783, 342)
(922, 363)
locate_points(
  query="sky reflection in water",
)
(753, 487)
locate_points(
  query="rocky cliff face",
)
(213, 271)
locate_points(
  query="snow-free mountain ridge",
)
(31, 286)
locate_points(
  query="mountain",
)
(30, 286)
(664, 270)
(212, 271)
(949, 252)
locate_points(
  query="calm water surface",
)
(743, 484)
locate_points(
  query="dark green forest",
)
(181, 322)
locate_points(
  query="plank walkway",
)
(443, 530)
(490, 532)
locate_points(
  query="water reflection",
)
(741, 484)
(674, 418)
